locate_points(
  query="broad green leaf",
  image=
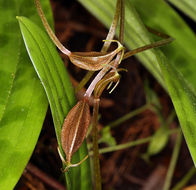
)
(184, 99)
(23, 103)
(181, 53)
(55, 80)
(182, 94)
(186, 6)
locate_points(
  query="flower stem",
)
(122, 21)
(173, 162)
(149, 46)
(96, 163)
(129, 144)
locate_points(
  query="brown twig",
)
(48, 180)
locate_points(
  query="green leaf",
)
(106, 136)
(56, 82)
(186, 6)
(182, 95)
(181, 53)
(159, 140)
(23, 103)
(184, 99)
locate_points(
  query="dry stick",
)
(44, 177)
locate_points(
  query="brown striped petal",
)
(93, 61)
(75, 128)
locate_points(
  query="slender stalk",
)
(157, 33)
(121, 34)
(122, 21)
(96, 163)
(129, 144)
(149, 46)
(185, 179)
(49, 30)
(173, 162)
(106, 44)
(128, 116)
(124, 146)
(113, 27)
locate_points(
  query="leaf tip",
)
(18, 17)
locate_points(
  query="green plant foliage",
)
(106, 136)
(181, 53)
(55, 80)
(159, 141)
(23, 103)
(184, 100)
(161, 135)
(182, 95)
(186, 6)
(151, 97)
